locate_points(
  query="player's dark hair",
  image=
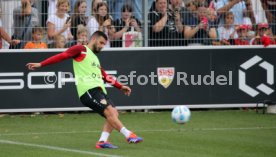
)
(98, 34)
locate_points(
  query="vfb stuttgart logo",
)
(165, 76)
(263, 87)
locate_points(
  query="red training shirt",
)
(77, 52)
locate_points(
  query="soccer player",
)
(90, 77)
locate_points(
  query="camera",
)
(68, 19)
(132, 17)
(173, 12)
(176, 10)
(105, 18)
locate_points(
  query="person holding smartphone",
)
(60, 22)
(101, 21)
(124, 24)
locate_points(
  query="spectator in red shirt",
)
(264, 36)
(242, 31)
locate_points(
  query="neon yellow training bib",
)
(88, 73)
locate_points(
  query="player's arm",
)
(109, 79)
(69, 53)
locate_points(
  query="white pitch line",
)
(56, 148)
(211, 129)
(160, 130)
(48, 133)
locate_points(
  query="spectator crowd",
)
(168, 23)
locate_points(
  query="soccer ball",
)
(181, 114)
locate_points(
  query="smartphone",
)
(68, 19)
(105, 18)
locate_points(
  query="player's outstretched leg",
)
(103, 141)
(112, 115)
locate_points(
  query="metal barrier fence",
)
(150, 23)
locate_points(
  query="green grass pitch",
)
(213, 133)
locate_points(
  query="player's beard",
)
(96, 49)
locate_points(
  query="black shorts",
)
(97, 100)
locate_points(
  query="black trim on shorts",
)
(97, 100)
